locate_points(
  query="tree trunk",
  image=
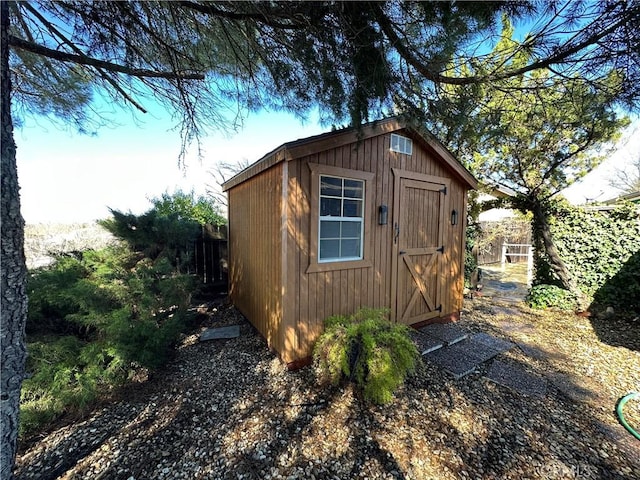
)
(13, 272)
(543, 231)
(542, 228)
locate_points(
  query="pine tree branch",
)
(108, 78)
(560, 56)
(94, 62)
(262, 17)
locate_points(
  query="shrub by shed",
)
(373, 217)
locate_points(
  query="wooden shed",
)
(373, 217)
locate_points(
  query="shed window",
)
(401, 144)
(341, 219)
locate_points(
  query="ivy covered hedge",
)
(602, 250)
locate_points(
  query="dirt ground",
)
(229, 409)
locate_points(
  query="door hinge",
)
(439, 308)
(444, 190)
(402, 252)
(441, 249)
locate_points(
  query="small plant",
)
(548, 296)
(367, 349)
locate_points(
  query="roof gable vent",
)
(401, 144)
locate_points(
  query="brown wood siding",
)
(311, 297)
(454, 258)
(255, 253)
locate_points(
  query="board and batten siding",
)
(255, 244)
(313, 296)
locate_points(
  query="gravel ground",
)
(229, 409)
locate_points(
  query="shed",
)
(370, 217)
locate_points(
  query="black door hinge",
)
(444, 190)
(441, 249)
(439, 308)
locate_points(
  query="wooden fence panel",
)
(211, 256)
(494, 234)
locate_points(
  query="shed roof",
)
(630, 197)
(318, 143)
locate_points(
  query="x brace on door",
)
(420, 281)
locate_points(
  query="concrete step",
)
(448, 333)
(232, 331)
(465, 356)
(516, 378)
(492, 342)
(425, 343)
(456, 363)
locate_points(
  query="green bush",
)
(600, 248)
(109, 295)
(367, 349)
(64, 372)
(169, 229)
(156, 235)
(551, 296)
(94, 319)
(470, 261)
(97, 316)
(188, 206)
(622, 291)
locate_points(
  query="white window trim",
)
(366, 245)
(405, 144)
(330, 218)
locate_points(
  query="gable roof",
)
(318, 143)
(631, 197)
(612, 204)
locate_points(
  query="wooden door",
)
(419, 216)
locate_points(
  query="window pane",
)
(330, 207)
(395, 143)
(331, 186)
(339, 239)
(329, 249)
(353, 188)
(401, 144)
(329, 229)
(350, 248)
(352, 208)
(351, 229)
(408, 146)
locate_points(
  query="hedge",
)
(602, 251)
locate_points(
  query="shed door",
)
(418, 249)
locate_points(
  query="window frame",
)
(315, 264)
(341, 219)
(401, 140)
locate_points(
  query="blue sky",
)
(67, 177)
